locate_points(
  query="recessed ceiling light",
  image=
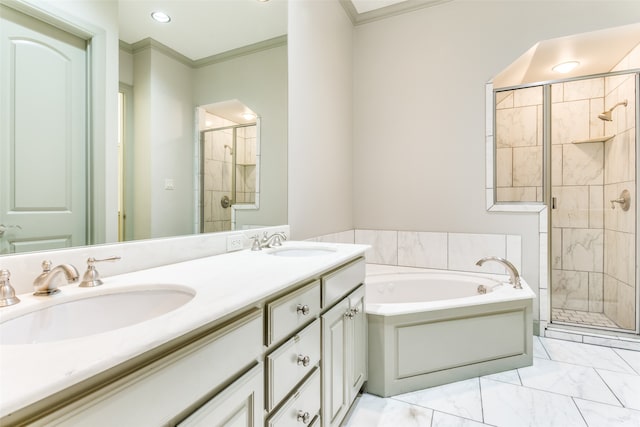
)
(248, 116)
(565, 67)
(161, 17)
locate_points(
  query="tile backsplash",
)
(440, 250)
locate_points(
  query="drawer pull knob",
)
(303, 360)
(304, 417)
(349, 314)
(303, 309)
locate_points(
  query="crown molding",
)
(150, 43)
(241, 51)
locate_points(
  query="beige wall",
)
(320, 118)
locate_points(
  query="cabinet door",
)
(239, 405)
(357, 343)
(335, 396)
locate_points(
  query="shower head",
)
(606, 115)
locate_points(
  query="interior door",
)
(43, 149)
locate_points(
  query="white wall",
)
(419, 78)
(320, 118)
(171, 147)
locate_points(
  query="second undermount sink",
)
(301, 251)
(93, 315)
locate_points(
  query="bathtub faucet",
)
(514, 276)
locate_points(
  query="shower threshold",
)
(582, 318)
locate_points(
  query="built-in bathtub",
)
(432, 327)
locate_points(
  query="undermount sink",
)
(93, 315)
(298, 252)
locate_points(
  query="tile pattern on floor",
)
(582, 318)
(570, 384)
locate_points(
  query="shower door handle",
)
(553, 203)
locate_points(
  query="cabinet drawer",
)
(240, 404)
(304, 403)
(158, 393)
(291, 362)
(288, 313)
(339, 283)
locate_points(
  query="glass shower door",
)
(593, 206)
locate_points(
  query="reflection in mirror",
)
(519, 145)
(229, 163)
(231, 51)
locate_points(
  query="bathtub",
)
(433, 327)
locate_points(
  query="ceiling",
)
(597, 52)
(203, 28)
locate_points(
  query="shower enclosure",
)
(593, 203)
(228, 173)
(572, 146)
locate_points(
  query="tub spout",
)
(514, 276)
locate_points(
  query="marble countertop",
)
(223, 284)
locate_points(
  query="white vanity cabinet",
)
(356, 343)
(327, 356)
(292, 374)
(296, 357)
(344, 335)
(166, 391)
(239, 405)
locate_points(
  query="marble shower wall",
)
(218, 146)
(577, 179)
(218, 164)
(519, 140)
(593, 245)
(620, 226)
(246, 165)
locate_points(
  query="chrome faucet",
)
(514, 276)
(45, 282)
(268, 241)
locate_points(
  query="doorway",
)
(43, 144)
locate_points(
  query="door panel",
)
(43, 141)
(334, 365)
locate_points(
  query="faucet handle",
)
(7, 293)
(46, 266)
(256, 246)
(91, 277)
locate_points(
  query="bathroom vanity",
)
(274, 337)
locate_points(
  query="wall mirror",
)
(210, 52)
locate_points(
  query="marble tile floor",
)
(570, 384)
(582, 318)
